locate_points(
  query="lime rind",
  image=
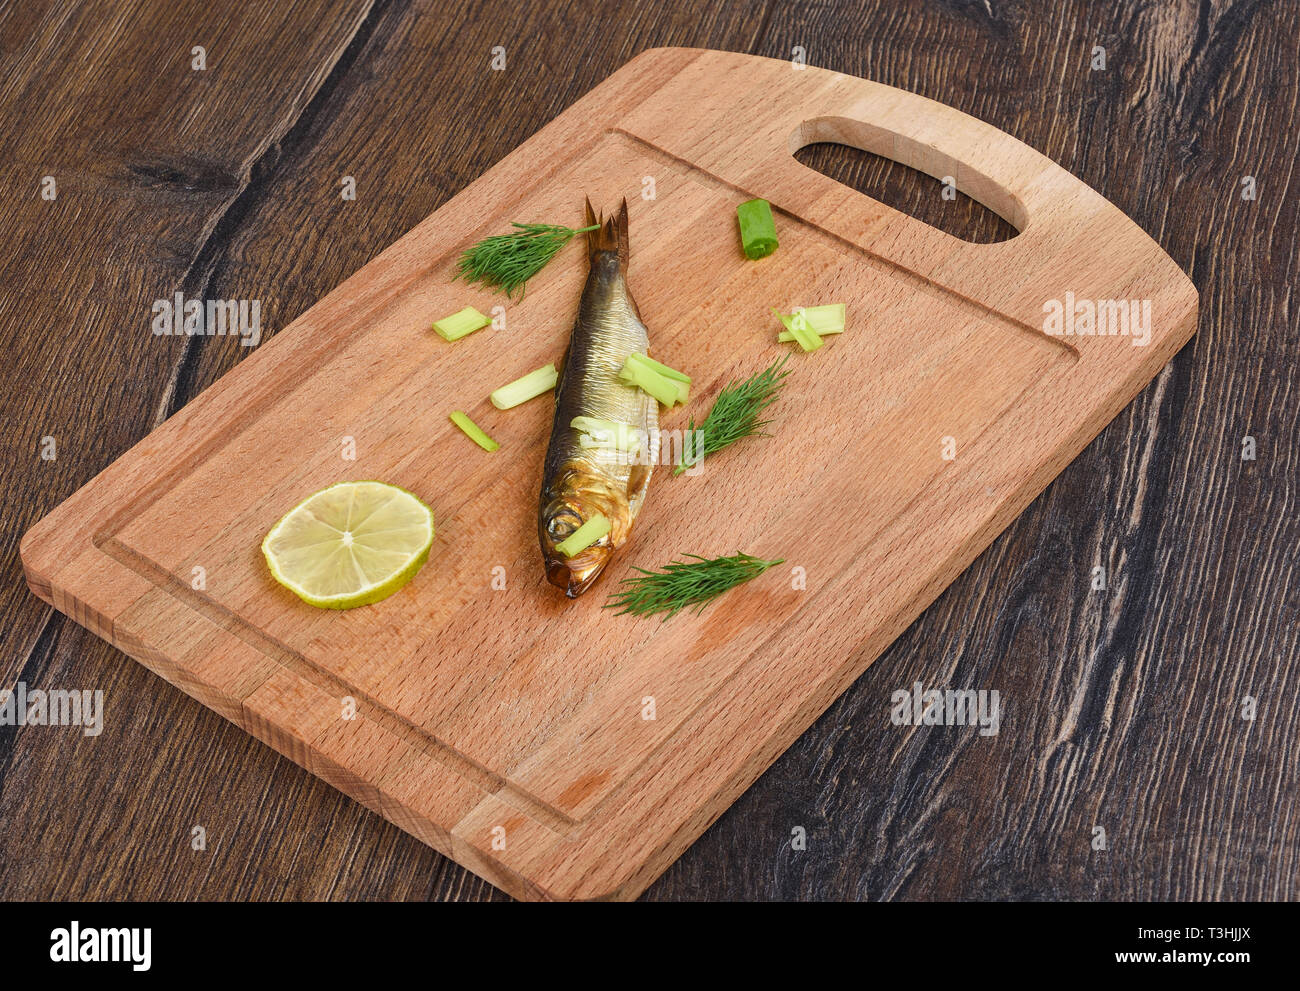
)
(350, 544)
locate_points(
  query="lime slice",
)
(351, 544)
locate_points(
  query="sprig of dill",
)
(685, 583)
(508, 261)
(733, 416)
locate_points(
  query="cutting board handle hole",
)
(912, 178)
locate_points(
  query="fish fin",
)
(620, 231)
(595, 239)
(611, 234)
(637, 482)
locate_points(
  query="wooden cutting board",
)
(507, 727)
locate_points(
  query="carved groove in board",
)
(585, 794)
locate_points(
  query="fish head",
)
(560, 516)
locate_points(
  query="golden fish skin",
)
(579, 482)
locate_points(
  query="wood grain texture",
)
(1136, 689)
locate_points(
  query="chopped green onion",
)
(606, 433)
(605, 441)
(822, 320)
(662, 369)
(786, 336)
(456, 326)
(680, 379)
(757, 228)
(584, 536)
(645, 378)
(473, 431)
(523, 389)
(807, 338)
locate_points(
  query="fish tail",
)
(610, 235)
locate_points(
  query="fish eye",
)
(562, 522)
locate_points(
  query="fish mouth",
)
(575, 576)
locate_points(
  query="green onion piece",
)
(799, 330)
(604, 441)
(662, 369)
(456, 326)
(523, 389)
(606, 433)
(807, 338)
(786, 336)
(473, 431)
(648, 380)
(757, 228)
(823, 320)
(680, 379)
(584, 536)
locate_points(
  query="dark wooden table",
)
(1123, 707)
